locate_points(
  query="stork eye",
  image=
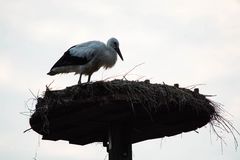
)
(115, 43)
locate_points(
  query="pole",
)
(119, 146)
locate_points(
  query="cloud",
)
(184, 42)
(6, 70)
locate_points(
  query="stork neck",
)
(109, 44)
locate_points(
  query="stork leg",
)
(89, 77)
(79, 81)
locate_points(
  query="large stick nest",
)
(82, 114)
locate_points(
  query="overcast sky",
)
(180, 41)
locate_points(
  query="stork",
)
(86, 58)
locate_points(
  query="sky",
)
(188, 42)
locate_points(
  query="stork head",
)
(113, 42)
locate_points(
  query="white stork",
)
(87, 58)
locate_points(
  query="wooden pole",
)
(119, 146)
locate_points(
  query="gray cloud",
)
(186, 41)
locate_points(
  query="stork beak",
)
(119, 53)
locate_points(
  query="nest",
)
(82, 114)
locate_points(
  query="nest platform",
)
(83, 114)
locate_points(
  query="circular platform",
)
(82, 114)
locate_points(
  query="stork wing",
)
(79, 54)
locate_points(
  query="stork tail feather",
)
(51, 73)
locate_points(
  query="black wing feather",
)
(69, 60)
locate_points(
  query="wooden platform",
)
(82, 114)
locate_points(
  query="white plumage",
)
(87, 58)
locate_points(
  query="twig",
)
(124, 76)
(26, 113)
(48, 86)
(33, 94)
(112, 77)
(27, 130)
(194, 85)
